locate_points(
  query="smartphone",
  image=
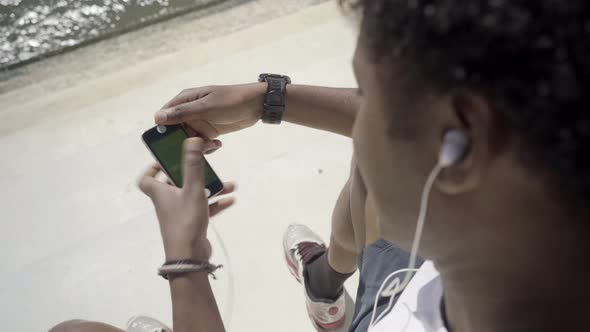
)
(165, 144)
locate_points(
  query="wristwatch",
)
(274, 100)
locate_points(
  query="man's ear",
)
(471, 114)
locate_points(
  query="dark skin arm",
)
(193, 304)
(216, 110)
(329, 109)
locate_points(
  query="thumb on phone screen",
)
(193, 166)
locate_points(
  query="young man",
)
(506, 232)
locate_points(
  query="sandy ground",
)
(80, 241)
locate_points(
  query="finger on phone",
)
(191, 132)
(148, 179)
(221, 205)
(180, 113)
(201, 128)
(228, 188)
(153, 170)
(212, 146)
(193, 165)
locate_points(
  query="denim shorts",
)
(375, 263)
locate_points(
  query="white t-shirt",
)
(418, 307)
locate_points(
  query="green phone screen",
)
(168, 150)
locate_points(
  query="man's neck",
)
(537, 287)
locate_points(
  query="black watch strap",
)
(274, 100)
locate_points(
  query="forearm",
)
(330, 109)
(193, 304)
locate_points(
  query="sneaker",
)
(146, 324)
(300, 245)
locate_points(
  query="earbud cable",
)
(396, 286)
(229, 299)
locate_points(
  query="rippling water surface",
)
(33, 28)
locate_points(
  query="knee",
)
(69, 326)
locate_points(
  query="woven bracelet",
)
(173, 268)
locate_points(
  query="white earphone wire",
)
(396, 282)
(395, 287)
(229, 299)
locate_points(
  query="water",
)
(30, 29)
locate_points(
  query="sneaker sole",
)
(326, 327)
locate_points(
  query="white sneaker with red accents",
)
(299, 242)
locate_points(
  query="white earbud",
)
(455, 145)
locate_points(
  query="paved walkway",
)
(80, 241)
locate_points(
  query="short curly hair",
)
(529, 58)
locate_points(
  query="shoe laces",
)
(310, 250)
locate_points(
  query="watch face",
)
(274, 83)
(264, 76)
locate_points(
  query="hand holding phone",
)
(183, 213)
(165, 143)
